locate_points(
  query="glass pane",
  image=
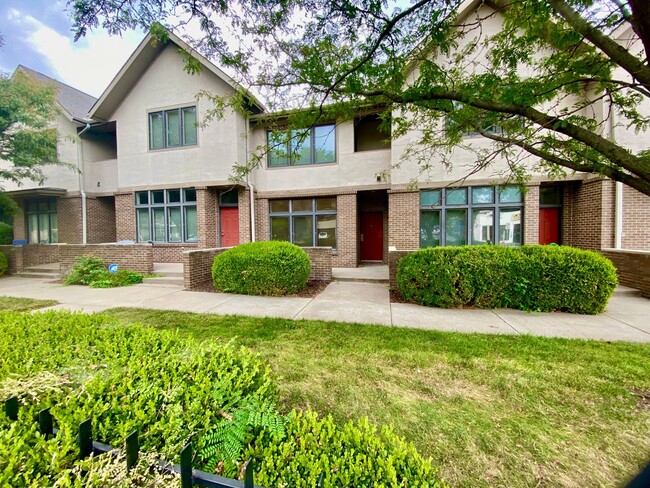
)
(156, 130)
(277, 144)
(303, 231)
(510, 194)
(510, 226)
(174, 216)
(173, 196)
(229, 197)
(483, 194)
(325, 144)
(456, 227)
(32, 224)
(159, 224)
(279, 206)
(173, 128)
(52, 204)
(430, 228)
(189, 195)
(429, 198)
(32, 206)
(457, 196)
(300, 147)
(44, 228)
(191, 227)
(301, 205)
(158, 196)
(189, 126)
(280, 228)
(54, 228)
(326, 230)
(549, 195)
(143, 225)
(483, 226)
(142, 198)
(326, 203)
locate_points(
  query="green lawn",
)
(24, 304)
(490, 410)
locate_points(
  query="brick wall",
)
(588, 214)
(14, 257)
(404, 218)
(393, 260)
(632, 268)
(68, 210)
(35, 254)
(321, 263)
(125, 217)
(244, 204)
(100, 224)
(531, 215)
(171, 253)
(136, 257)
(262, 231)
(636, 220)
(347, 232)
(206, 216)
(197, 267)
(20, 232)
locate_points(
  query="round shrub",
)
(6, 234)
(4, 263)
(261, 268)
(533, 278)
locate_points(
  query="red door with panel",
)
(372, 236)
(549, 225)
(229, 218)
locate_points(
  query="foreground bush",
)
(261, 268)
(532, 278)
(91, 271)
(6, 234)
(4, 263)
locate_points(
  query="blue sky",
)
(37, 34)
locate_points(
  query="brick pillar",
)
(607, 215)
(404, 220)
(636, 215)
(101, 220)
(68, 210)
(20, 231)
(125, 217)
(243, 201)
(347, 232)
(206, 215)
(262, 232)
(531, 215)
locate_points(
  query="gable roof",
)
(137, 64)
(75, 102)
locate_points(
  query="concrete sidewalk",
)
(627, 317)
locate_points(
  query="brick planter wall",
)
(632, 267)
(171, 253)
(197, 267)
(321, 263)
(21, 257)
(136, 257)
(14, 257)
(393, 260)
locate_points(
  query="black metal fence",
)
(189, 477)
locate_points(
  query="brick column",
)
(101, 220)
(20, 231)
(347, 232)
(404, 220)
(243, 201)
(206, 216)
(262, 231)
(68, 211)
(531, 215)
(125, 217)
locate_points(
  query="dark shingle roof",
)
(74, 101)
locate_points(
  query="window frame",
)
(166, 205)
(470, 208)
(314, 213)
(181, 128)
(50, 211)
(289, 147)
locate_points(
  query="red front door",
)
(372, 236)
(229, 217)
(549, 225)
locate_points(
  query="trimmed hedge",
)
(262, 268)
(531, 278)
(6, 234)
(4, 263)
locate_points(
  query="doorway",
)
(372, 236)
(549, 225)
(229, 218)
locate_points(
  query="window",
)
(166, 215)
(42, 221)
(475, 215)
(368, 136)
(305, 222)
(300, 147)
(172, 128)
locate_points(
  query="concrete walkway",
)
(627, 318)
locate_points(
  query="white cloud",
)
(89, 64)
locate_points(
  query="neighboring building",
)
(149, 173)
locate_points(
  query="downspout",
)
(618, 196)
(80, 165)
(251, 188)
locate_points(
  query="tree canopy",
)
(549, 88)
(28, 135)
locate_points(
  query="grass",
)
(24, 304)
(490, 410)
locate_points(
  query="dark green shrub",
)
(91, 271)
(539, 278)
(261, 268)
(6, 234)
(356, 454)
(4, 263)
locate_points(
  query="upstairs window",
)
(172, 128)
(301, 147)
